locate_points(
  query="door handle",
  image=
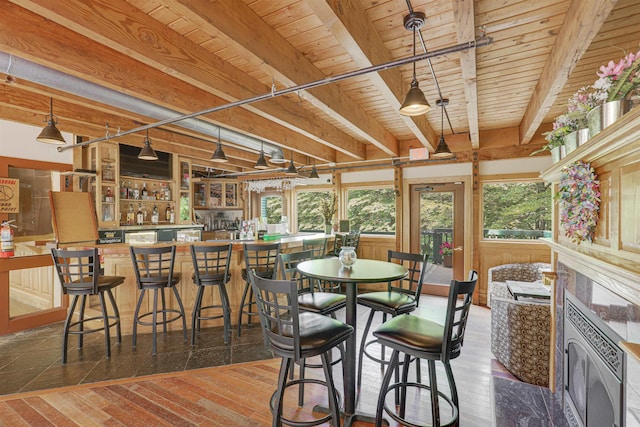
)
(459, 248)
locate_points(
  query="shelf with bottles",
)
(145, 190)
(138, 213)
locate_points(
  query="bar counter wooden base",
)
(116, 260)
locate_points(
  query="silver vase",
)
(606, 114)
(583, 136)
(570, 142)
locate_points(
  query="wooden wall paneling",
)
(602, 235)
(629, 230)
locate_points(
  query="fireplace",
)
(594, 369)
(592, 381)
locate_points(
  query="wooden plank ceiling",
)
(192, 55)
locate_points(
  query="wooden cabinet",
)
(104, 159)
(184, 192)
(215, 194)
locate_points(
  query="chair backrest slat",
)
(458, 305)
(279, 314)
(153, 265)
(288, 265)
(262, 258)
(412, 283)
(78, 270)
(210, 260)
(317, 246)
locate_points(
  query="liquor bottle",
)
(145, 212)
(172, 216)
(123, 190)
(130, 215)
(136, 191)
(167, 193)
(167, 213)
(139, 215)
(144, 191)
(155, 215)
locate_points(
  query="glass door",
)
(437, 218)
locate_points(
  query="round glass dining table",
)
(363, 271)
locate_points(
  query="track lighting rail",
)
(474, 44)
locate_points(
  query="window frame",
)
(343, 203)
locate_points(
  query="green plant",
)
(328, 207)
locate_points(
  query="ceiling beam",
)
(238, 22)
(110, 22)
(64, 50)
(582, 23)
(349, 24)
(464, 16)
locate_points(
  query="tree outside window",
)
(309, 213)
(372, 210)
(516, 210)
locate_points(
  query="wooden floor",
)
(238, 394)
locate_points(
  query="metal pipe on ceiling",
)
(40, 74)
(482, 41)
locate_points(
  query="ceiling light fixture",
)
(50, 133)
(277, 158)
(218, 155)
(262, 162)
(291, 170)
(314, 173)
(442, 150)
(147, 152)
(415, 102)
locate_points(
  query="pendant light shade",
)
(218, 155)
(415, 103)
(442, 150)
(262, 162)
(50, 133)
(147, 152)
(291, 170)
(314, 173)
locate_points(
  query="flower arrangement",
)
(617, 80)
(446, 248)
(328, 207)
(579, 201)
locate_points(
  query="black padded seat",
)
(424, 339)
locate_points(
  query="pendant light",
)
(442, 150)
(218, 155)
(147, 152)
(262, 162)
(50, 133)
(291, 170)
(314, 173)
(415, 102)
(277, 158)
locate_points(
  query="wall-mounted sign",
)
(9, 195)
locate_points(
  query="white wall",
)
(519, 165)
(19, 140)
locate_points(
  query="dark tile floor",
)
(30, 361)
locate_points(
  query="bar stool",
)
(325, 303)
(400, 297)
(423, 339)
(211, 268)
(318, 246)
(79, 274)
(153, 267)
(262, 258)
(295, 336)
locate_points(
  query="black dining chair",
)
(420, 338)
(79, 274)
(401, 296)
(296, 335)
(263, 259)
(153, 267)
(211, 268)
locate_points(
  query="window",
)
(516, 210)
(372, 210)
(271, 208)
(309, 214)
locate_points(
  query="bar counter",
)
(117, 261)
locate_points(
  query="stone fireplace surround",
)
(610, 297)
